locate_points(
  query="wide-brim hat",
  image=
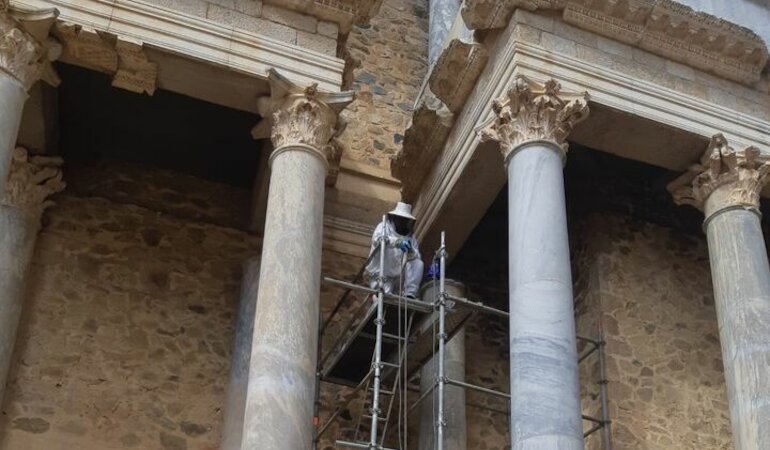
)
(403, 210)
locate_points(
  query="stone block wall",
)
(269, 20)
(128, 323)
(389, 58)
(649, 289)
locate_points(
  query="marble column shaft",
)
(531, 124)
(282, 369)
(30, 182)
(235, 403)
(726, 186)
(455, 430)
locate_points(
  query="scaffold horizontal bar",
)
(366, 445)
(480, 307)
(422, 397)
(390, 299)
(473, 387)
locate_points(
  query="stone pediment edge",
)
(606, 86)
(663, 27)
(202, 39)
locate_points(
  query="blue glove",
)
(405, 245)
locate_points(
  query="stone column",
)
(279, 403)
(235, 403)
(31, 180)
(531, 124)
(454, 397)
(23, 61)
(726, 185)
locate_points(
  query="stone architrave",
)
(31, 181)
(301, 123)
(531, 124)
(726, 186)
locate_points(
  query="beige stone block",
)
(648, 59)
(692, 88)
(192, 7)
(524, 33)
(253, 24)
(290, 18)
(558, 44)
(329, 29)
(250, 7)
(574, 34)
(229, 4)
(317, 42)
(538, 21)
(594, 56)
(722, 98)
(680, 70)
(614, 47)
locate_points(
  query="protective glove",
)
(405, 245)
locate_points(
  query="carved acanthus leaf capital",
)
(533, 112)
(32, 179)
(293, 115)
(737, 176)
(26, 52)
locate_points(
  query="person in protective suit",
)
(399, 242)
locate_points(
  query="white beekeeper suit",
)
(394, 252)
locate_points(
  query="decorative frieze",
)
(121, 57)
(21, 56)
(529, 111)
(343, 12)
(738, 176)
(484, 14)
(31, 181)
(301, 116)
(663, 27)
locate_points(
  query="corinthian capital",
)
(22, 55)
(723, 178)
(300, 116)
(533, 112)
(31, 180)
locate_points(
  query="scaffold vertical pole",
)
(441, 381)
(606, 435)
(379, 321)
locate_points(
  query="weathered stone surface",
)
(649, 289)
(388, 66)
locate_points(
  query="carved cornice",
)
(32, 179)
(485, 14)
(662, 27)
(677, 32)
(343, 12)
(724, 178)
(301, 116)
(533, 112)
(423, 142)
(455, 73)
(21, 55)
(124, 59)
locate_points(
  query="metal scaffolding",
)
(415, 347)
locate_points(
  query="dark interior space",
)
(595, 182)
(100, 123)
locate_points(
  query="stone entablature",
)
(139, 23)
(723, 178)
(343, 12)
(662, 27)
(31, 181)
